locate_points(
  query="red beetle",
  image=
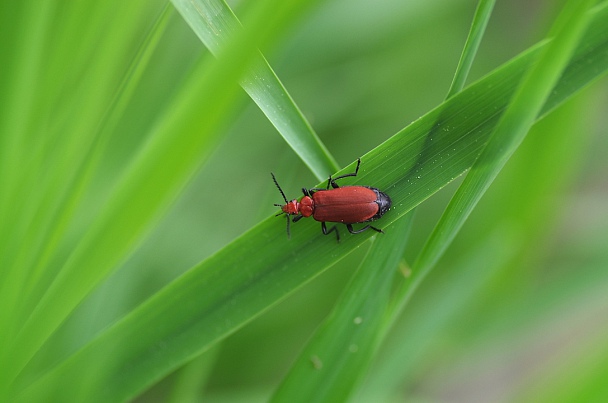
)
(347, 205)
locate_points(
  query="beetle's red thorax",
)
(307, 206)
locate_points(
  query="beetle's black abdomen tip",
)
(384, 203)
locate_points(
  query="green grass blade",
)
(261, 267)
(341, 350)
(214, 23)
(497, 266)
(480, 21)
(53, 221)
(51, 128)
(310, 383)
(411, 341)
(508, 135)
(18, 86)
(306, 383)
(192, 377)
(478, 28)
(183, 139)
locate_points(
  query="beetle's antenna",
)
(280, 205)
(278, 187)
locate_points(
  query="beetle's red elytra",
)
(347, 205)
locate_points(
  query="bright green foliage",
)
(116, 273)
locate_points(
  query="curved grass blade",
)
(214, 23)
(241, 281)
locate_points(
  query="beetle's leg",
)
(311, 191)
(333, 181)
(352, 231)
(332, 229)
(297, 218)
(288, 233)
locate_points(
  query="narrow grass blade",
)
(411, 341)
(478, 28)
(192, 377)
(340, 352)
(310, 383)
(307, 382)
(241, 281)
(480, 21)
(215, 23)
(18, 87)
(509, 133)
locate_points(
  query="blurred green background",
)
(515, 311)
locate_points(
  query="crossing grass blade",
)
(508, 135)
(343, 349)
(339, 353)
